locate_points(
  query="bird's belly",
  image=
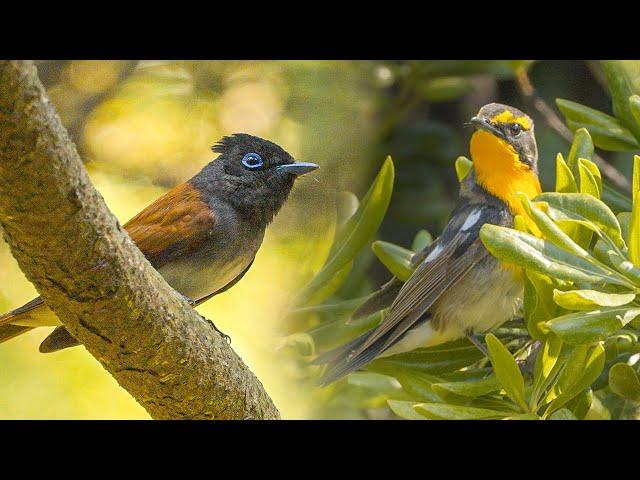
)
(198, 277)
(482, 300)
(485, 298)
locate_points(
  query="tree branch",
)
(91, 274)
(526, 89)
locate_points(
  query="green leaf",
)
(507, 371)
(613, 139)
(550, 230)
(607, 132)
(378, 385)
(588, 183)
(538, 302)
(594, 170)
(324, 291)
(533, 253)
(337, 332)
(597, 411)
(439, 411)
(587, 327)
(580, 371)
(439, 359)
(565, 181)
(422, 240)
(443, 89)
(404, 409)
(356, 232)
(395, 258)
(471, 388)
(548, 363)
(548, 356)
(463, 166)
(336, 309)
(346, 205)
(563, 414)
(616, 200)
(617, 261)
(590, 299)
(418, 385)
(634, 227)
(623, 381)
(623, 80)
(584, 209)
(581, 404)
(634, 107)
(581, 147)
(300, 342)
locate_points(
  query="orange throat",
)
(500, 172)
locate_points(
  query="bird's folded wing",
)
(455, 253)
(175, 225)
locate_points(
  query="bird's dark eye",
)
(515, 129)
(252, 161)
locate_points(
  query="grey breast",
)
(229, 250)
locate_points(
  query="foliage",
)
(574, 354)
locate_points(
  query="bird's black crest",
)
(244, 141)
(225, 143)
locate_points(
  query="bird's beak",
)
(486, 125)
(297, 168)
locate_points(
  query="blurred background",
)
(143, 126)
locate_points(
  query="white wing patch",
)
(434, 253)
(471, 220)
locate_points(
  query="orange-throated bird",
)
(202, 235)
(457, 288)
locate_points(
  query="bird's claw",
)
(224, 335)
(478, 344)
(189, 300)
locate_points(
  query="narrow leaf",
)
(395, 258)
(507, 371)
(405, 409)
(565, 181)
(422, 240)
(588, 327)
(463, 166)
(590, 299)
(356, 232)
(634, 226)
(439, 411)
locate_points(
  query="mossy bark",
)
(87, 269)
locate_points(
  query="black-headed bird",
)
(202, 235)
(457, 288)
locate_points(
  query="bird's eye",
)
(252, 161)
(515, 129)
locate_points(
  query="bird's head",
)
(253, 174)
(504, 128)
(504, 153)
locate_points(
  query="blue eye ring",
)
(252, 161)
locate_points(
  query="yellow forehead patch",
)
(507, 117)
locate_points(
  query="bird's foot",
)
(224, 335)
(478, 343)
(189, 300)
(527, 364)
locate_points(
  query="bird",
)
(202, 235)
(457, 289)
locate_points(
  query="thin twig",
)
(526, 89)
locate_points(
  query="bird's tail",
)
(8, 329)
(342, 361)
(379, 300)
(7, 332)
(31, 315)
